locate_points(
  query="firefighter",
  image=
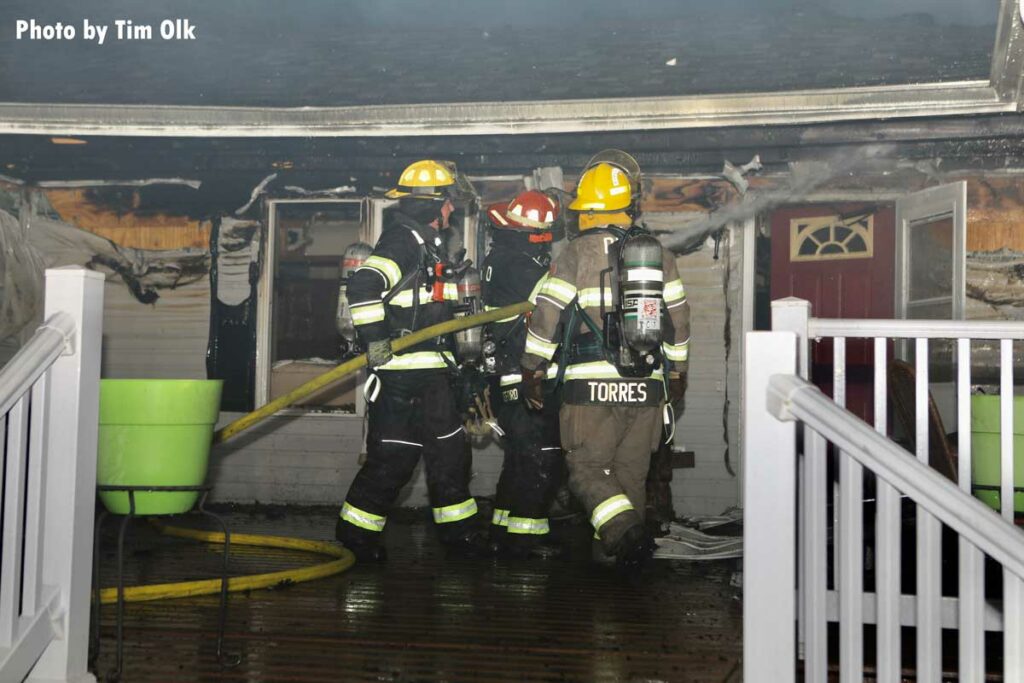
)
(613, 395)
(519, 257)
(412, 409)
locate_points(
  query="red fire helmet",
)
(532, 212)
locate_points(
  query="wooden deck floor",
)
(421, 617)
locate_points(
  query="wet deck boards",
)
(421, 617)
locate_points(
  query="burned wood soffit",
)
(981, 142)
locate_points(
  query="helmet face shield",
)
(616, 157)
(462, 193)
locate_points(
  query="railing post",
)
(793, 315)
(769, 538)
(70, 495)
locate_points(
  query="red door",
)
(840, 257)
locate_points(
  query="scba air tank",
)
(641, 282)
(469, 343)
(355, 256)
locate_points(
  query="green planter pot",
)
(155, 433)
(985, 458)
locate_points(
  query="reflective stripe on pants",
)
(525, 525)
(609, 508)
(455, 513)
(499, 518)
(362, 519)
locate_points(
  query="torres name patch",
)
(615, 392)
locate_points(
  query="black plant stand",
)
(204, 491)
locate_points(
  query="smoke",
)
(804, 178)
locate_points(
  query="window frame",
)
(369, 231)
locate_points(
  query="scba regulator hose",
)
(343, 558)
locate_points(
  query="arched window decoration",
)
(830, 238)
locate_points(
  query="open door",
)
(931, 245)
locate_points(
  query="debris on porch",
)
(684, 543)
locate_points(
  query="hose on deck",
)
(343, 559)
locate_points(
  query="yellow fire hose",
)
(343, 557)
(348, 367)
(162, 591)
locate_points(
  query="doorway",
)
(840, 257)
(901, 259)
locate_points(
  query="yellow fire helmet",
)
(424, 179)
(604, 189)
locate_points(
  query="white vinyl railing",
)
(49, 404)
(787, 519)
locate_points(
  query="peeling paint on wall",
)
(21, 278)
(48, 243)
(995, 279)
(231, 342)
(144, 273)
(237, 250)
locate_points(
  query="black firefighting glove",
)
(378, 353)
(677, 388)
(533, 388)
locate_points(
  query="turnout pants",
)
(608, 452)
(414, 414)
(530, 472)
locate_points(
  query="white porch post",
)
(70, 495)
(792, 315)
(769, 538)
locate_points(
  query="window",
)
(825, 238)
(297, 337)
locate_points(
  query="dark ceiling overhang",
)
(1000, 93)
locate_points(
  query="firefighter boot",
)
(634, 549)
(363, 550)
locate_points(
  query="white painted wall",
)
(166, 339)
(714, 377)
